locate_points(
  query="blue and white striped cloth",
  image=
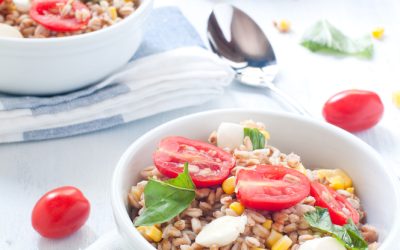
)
(171, 69)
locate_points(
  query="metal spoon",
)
(237, 38)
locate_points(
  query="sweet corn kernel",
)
(237, 207)
(350, 190)
(113, 12)
(282, 25)
(330, 175)
(282, 244)
(265, 134)
(378, 32)
(301, 168)
(151, 233)
(396, 98)
(229, 185)
(267, 224)
(273, 237)
(336, 182)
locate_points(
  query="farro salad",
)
(238, 192)
(58, 18)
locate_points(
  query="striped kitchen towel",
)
(172, 69)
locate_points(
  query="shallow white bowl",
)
(319, 144)
(56, 65)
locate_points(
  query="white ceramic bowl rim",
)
(142, 7)
(122, 217)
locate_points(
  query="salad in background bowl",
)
(80, 48)
(243, 192)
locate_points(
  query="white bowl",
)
(56, 65)
(319, 144)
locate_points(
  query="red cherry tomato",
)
(340, 210)
(60, 212)
(208, 164)
(270, 187)
(353, 110)
(47, 13)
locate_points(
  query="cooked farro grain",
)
(212, 203)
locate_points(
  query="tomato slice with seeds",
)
(270, 187)
(208, 164)
(47, 13)
(340, 210)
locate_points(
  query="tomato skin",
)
(353, 110)
(41, 12)
(264, 187)
(174, 151)
(334, 204)
(60, 212)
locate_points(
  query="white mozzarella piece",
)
(325, 243)
(230, 135)
(8, 31)
(221, 231)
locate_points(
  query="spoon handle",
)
(298, 107)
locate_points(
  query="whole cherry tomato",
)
(353, 110)
(60, 212)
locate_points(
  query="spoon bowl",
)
(238, 40)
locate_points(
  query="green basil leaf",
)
(356, 239)
(165, 200)
(348, 235)
(183, 180)
(256, 137)
(324, 37)
(320, 219)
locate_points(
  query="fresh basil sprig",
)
(256, 137)
(348, 235)
(166, 199)
(324, 37)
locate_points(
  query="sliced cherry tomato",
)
(269, 187)
(60, 212)
(339, 208)
(208, 164)
(353, 110)
(47, 13)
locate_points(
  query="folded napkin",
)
(171, 70)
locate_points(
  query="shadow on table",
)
(80, 240)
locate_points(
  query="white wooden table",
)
(27, 170)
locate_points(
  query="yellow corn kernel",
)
(396, 98)
(127, 1)
(301, 168)
(267, 224)
(282, 25)
(336, 182)
(283, 243)
(151, 233)
(113, 12)
(265, 134)
(350, 190)
(273, 237)
(378, 32)
(330, 174)
(237, 207)
(229, 185)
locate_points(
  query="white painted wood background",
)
(27, 170)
